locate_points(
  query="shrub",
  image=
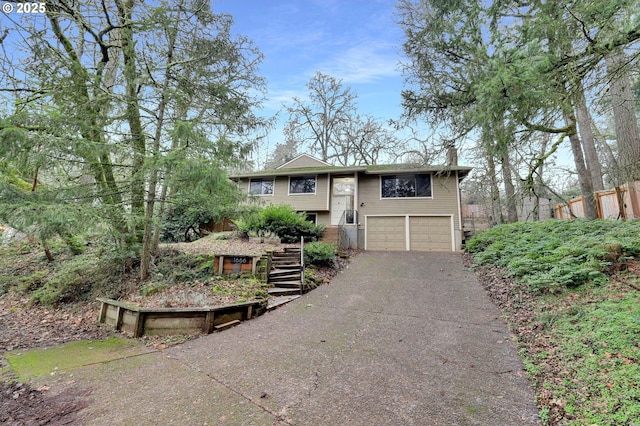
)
(71, 282)
(319, 254)
(281, 220)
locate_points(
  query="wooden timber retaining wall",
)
(140, 321)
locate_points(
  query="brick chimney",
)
(452, 156)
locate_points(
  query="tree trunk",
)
(509, 189)
(538, 181)
(138, 140)
(149, 223)
(626, 122)
(496, 207)
(47, 250)
(99, 162)
(584, 177)
(158, 225)
(588, 141)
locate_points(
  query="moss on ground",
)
(43, 362)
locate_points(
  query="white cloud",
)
(364, 63)
(277, 97)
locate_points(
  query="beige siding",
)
(444, 199)
(386, 233)
(324, 218)
(303, 161)
(303, 202)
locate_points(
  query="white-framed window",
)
(405, 186)
(312, 217)
(261, 186)
(302, 185)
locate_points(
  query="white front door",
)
(341, 197)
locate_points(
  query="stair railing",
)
(348, 217)
(301, 264)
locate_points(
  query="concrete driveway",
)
(397, 339)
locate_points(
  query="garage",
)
(409, 232)
(386, 233)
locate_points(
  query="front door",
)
(342, 194)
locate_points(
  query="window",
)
(344, 186)
(312, 217)
(406, 186)
(261, 187)
(302, 185)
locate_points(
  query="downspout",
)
(356, 191)
(460, 222)
(356, 204)
(329, 189)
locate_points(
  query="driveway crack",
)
(279, 417)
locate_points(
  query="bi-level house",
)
(381, 207)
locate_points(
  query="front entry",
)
(342, 194)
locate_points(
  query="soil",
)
(26, 326)
(20, 404)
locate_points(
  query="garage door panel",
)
(430, 233)
(426, 233)
(386, 233)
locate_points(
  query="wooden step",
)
(285, 258)
(292, 280)
(294, 259)
(286, 284)
(287, 278)
(287, 266)
(226, 325)
(282, 291)
(330, 234)
(284, 271)
(287, 252)
(285, 262)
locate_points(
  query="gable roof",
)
(303, 160)
(305, 164)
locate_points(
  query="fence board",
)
(607, 203)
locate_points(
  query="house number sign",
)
(240, 260)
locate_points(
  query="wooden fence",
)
(477, 217)
(619, 203)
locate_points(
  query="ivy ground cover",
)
(571, 293)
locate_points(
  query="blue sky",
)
(357, 41)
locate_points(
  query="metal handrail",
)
(301, 264)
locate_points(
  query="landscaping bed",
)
(177, 281)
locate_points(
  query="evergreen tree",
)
(112, 102)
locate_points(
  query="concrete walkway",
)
(396, 339)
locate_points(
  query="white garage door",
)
(425, 233)
(386, 233)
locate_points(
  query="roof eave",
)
(299, 172)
